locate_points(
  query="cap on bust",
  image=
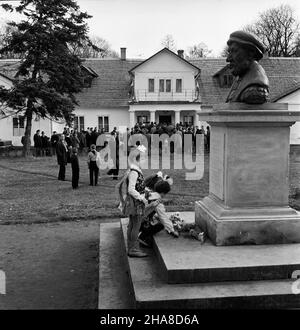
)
(246, 38)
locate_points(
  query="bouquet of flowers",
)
(181, 226)
(177, 221)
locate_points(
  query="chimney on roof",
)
(123, 54)
(180, 53)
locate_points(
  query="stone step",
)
(185, 260)
(152, 291)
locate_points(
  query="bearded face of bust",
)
(239, 58)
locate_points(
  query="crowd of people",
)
(148, 129)
(82, 140)
(71, 142)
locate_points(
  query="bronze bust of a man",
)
(251, 84)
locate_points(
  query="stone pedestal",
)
(248, 176)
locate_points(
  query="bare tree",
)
(278, 29)
(297, 50)
(169, 42)
(224, 52)
(103, 49)
(6, 32)
(198, 51)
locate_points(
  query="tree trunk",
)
(27, 144)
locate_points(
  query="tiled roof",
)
(110, 88)
(283, 74)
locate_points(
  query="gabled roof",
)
(287, 92)
(90, 71)
(110, 89)
(168, 51)
(283, 74)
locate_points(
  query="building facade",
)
(164, 88)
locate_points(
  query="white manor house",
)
(163, 88)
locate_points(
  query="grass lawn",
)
(31, 193)
(50, 260)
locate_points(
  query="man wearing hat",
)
(251, 84)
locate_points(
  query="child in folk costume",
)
(135, 201)
(156, 218)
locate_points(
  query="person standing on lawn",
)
(75, 168)
(44, 144)
(37, 143)
(54, 139)
(62, 157)
(92, 163)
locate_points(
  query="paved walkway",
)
(50, 266)
(114, 286)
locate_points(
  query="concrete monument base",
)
(238, 226)
(249, 176)
(182, 273)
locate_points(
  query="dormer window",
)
(87, 81)
(88, 75)
(224, 77)
(227, 80)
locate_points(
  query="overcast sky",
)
(140, 25)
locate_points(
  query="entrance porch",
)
(185, 114)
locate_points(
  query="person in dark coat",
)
(207, 138)
(37, 143)
(75, 168)
(54, 140)
(44, 144)
(88, 138)
(61, 152)
(94, 136)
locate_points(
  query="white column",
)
(177, 117)
(196, 118)
(131, 118)
(152, 116)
